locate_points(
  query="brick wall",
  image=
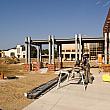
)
(36, 66)
(26, 67)
(51, 67)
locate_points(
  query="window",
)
(23, 56)
(72, 56)
(23, 48)
(18, 56)
(18, 50)
(73, 50)
(12, 54)
(68, 50)
(67, 55)
(63, 50)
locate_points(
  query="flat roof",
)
(69, 41)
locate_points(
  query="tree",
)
(55, 53)
(33, 52)
(45, 52)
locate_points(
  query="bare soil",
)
(12, 91)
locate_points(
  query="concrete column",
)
(76, 47)
(64, 56)
(70, 58)
(26, 50)
(53, 51)
(38, 54)
(29, 50)
(89, 50)
(60, 49)
(59, 55)
(105, 48)
(109, 47)
(80, 46)
(58, 52)
(49, 39)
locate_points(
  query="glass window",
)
(73, 50)
(67, 55)
(18, 50)
(72, 56)
(63, 50)
(68, 50)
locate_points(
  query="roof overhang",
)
(106, 27)
(69, 41)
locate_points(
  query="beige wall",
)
(68, 46)
(68, 50)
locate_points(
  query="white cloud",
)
(106, 3)
(103, 3)
(98, 2)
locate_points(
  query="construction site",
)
(76, 78)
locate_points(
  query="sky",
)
(40, 18)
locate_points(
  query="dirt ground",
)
(12, 90)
